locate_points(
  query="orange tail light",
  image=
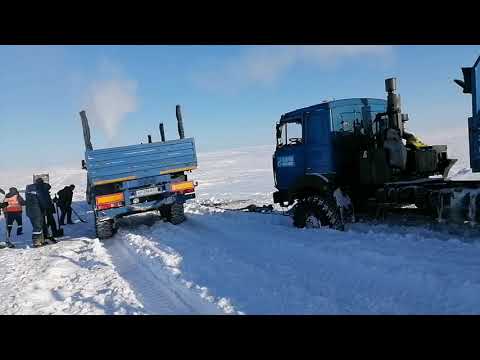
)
(183, 187)
(109, 201)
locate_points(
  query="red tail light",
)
(109, 206)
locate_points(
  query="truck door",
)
(289, 158)
(318, 144)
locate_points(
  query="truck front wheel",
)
(104, 229)
(316, 211)
(174, 213)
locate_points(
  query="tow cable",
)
(264, 209)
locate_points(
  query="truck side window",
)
(289, 134)
(295, 133)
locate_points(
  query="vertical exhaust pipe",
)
(162, 132)
(393, 105)
(86, 131)
(181, 133)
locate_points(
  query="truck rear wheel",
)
(317, 211)
(104, 229)
(175, 214)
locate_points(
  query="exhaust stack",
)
(86, 131)
(162, 132)
(394, 110)
(181, 133)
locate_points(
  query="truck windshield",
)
(352, 117)
(346, 121)
(289, 133)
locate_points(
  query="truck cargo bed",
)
(142, 160)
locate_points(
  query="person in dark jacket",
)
(13, 212)
(49, 211)
(36, 205)
(65, 197)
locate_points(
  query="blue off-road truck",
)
(357, 154)
(138, 178)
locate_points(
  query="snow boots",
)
(38, 240)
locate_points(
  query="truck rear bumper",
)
(131, 209)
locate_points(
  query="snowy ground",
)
(232, 263)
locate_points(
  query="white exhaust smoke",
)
(109, 102)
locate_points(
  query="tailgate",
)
(143, 160)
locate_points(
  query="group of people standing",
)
(40, 208)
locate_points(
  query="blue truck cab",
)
(138, 178)
(313, 144)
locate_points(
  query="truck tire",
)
(175, 214)
(164, 212)
(104, 229)
(317, 211)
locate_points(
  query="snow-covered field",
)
(220, 262)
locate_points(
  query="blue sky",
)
(230, 95)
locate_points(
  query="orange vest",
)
(13, 204)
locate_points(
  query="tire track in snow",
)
(159, 291)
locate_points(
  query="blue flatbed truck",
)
(138, 178)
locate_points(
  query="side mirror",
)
(466, 84)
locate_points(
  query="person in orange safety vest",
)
(12, 208)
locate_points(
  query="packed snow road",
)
(239, 263)
(260, 264)
(157, 288)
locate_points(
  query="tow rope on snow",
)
(264, 209)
